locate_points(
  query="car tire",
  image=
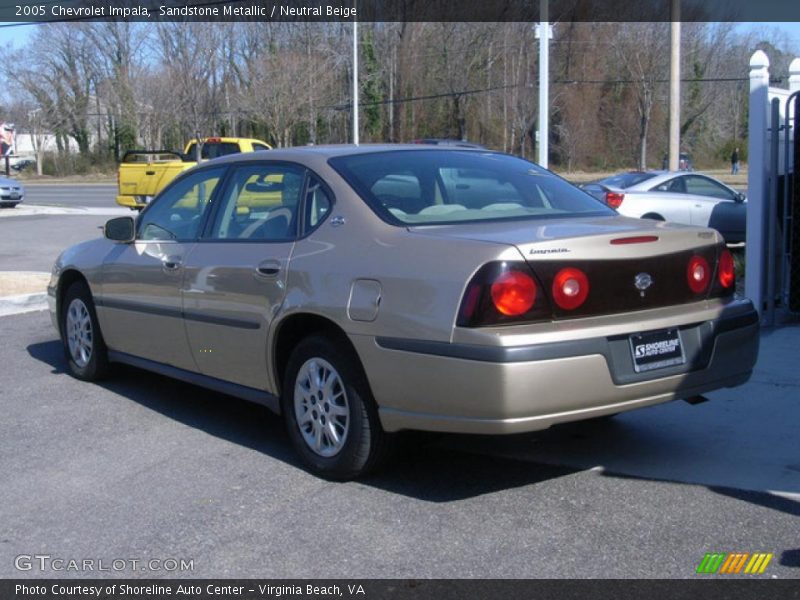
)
(330, 414)
(84, 347)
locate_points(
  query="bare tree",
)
(641, 51)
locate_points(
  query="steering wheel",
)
(273, 214)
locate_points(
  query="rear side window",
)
(626, 180)
(260, 204)
(211, 150)
(317, 205)
(432, 187)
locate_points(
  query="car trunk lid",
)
(631, 264)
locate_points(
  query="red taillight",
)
(213, 140)
(614, 199)
(570, 288)
(502, 293)
(698, 274)
(727, 270)
(513, 293)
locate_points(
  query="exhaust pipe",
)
(696, 399)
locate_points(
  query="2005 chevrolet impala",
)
(361, 291)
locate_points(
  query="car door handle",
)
(149, 172)
(172, 263)
(268, 268)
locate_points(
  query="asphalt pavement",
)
(142, 467)
(99, 195)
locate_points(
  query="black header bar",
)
(396, 10)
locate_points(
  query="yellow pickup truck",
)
(144, 173)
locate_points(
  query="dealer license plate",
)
(656, 350)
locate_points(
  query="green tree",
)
(371, 92)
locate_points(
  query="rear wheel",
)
(329, 411)
(80, 334)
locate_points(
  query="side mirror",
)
(120, 229)
(741, 196)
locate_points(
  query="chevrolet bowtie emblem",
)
(642, 281)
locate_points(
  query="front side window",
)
(702, 186)
(431, 187)
(260, 203)
(177, 213)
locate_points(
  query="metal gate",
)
(788, 195)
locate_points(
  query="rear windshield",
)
(436, 187)
(214, 149)
(626, 180)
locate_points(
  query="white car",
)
(680, 197)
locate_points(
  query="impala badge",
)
(642, 281)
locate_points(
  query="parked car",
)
(20, 163)
(372, 291)
(12, 192)
(447, 142)
(690, 198)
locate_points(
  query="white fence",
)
(766, 149)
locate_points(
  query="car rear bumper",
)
(469, 388)
(133, 202)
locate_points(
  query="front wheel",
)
(80, 334)
(329, 411)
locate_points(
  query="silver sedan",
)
(680, 197)
(12, 192)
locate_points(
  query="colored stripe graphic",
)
(758, 563)
(711, 562)
(733, 563)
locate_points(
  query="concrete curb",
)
(23, 303)
(27, 210)
(23, 291)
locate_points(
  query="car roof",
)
(333, 150)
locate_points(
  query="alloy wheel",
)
(321, 407)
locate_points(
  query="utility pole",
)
(675, 85)
(355, 82)
(543, 33)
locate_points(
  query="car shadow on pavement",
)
(222, 416)
(421, 468)
(438, 474)
(50, 353)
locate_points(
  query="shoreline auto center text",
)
(190, 590)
